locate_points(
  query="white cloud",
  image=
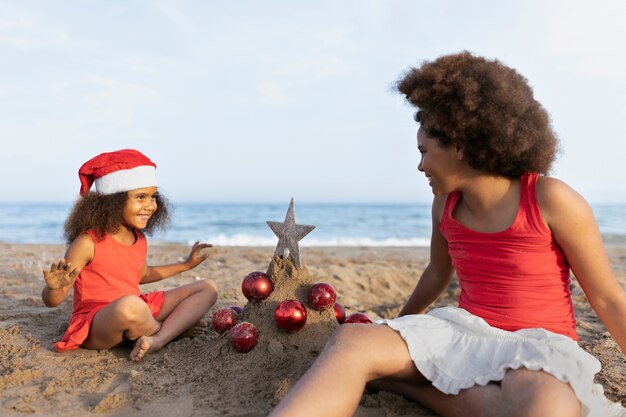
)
(322, 65)
(109, 91)
(335, 38)
(177, 17)
(140, 65)
(22, 29)
(23, 42)
(58, 87)
(272, 93)
(325, 54)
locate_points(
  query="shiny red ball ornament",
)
(359, 318)
(223, 319)
(340, 313)
(322, 296)
(237, 309)
(290, 315)
(243, 336)
(257, 286)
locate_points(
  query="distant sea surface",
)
(245, 224)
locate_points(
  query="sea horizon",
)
(373, 224)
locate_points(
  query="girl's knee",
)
(539, 393)
(130, 308)
(209, 287)
(352, 338)
(346, 334)
(346, 345)
(371, 350)
(555, 398)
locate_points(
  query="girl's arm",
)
(60, 278)
(438, 273)
(157, 273)
(575, 229)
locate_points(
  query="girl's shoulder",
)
(85, 239)
(439, 205)
(554, 191)
(81, 249)
(555, 198)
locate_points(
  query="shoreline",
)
(184, 379)
(610, 240)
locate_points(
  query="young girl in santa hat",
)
(106, 261)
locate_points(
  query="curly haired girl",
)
(106, 261)
(512, 235)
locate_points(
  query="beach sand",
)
(204, 376)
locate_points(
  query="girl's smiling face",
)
(442, 166)
(140, 205)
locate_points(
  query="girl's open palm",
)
(60, 275)
(195, 258)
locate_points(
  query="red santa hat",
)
(113, 172)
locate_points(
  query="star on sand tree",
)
(289, 233)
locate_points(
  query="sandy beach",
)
(204, 376)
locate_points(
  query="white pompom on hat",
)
(113, 172)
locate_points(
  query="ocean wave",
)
(250, 240)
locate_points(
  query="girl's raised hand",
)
(60, 275)
(195, 258)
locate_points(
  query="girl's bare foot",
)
(142, 346)
(146, 344)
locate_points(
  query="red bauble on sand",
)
(257, 286)
(237, 309)
(290, 315)
(223, 319)
(243, 336)
(322, 296)
(340, 313)
(359, 318)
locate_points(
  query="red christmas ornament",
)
(257, 286)
(340, 313)
(359, 318)
(224, 319)
(237, 309)
(290, 315)
(322, 296)
(243, 336)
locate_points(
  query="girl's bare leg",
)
(199, 328)
(522, 393)
(127, 317)
(183, 308)
(357, 354)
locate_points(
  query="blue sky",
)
(253, 101)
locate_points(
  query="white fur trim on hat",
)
(127, 179)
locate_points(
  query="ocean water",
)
(245, 224)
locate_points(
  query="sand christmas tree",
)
(275, 338)
(287, 308)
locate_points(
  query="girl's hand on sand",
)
(195, 258)
(60, 275)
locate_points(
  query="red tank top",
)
(114, 271)
(514, 279)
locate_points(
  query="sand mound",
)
(279, 358)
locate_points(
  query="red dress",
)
(514, 279)
(114, 271)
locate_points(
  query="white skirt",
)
(456, 350)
